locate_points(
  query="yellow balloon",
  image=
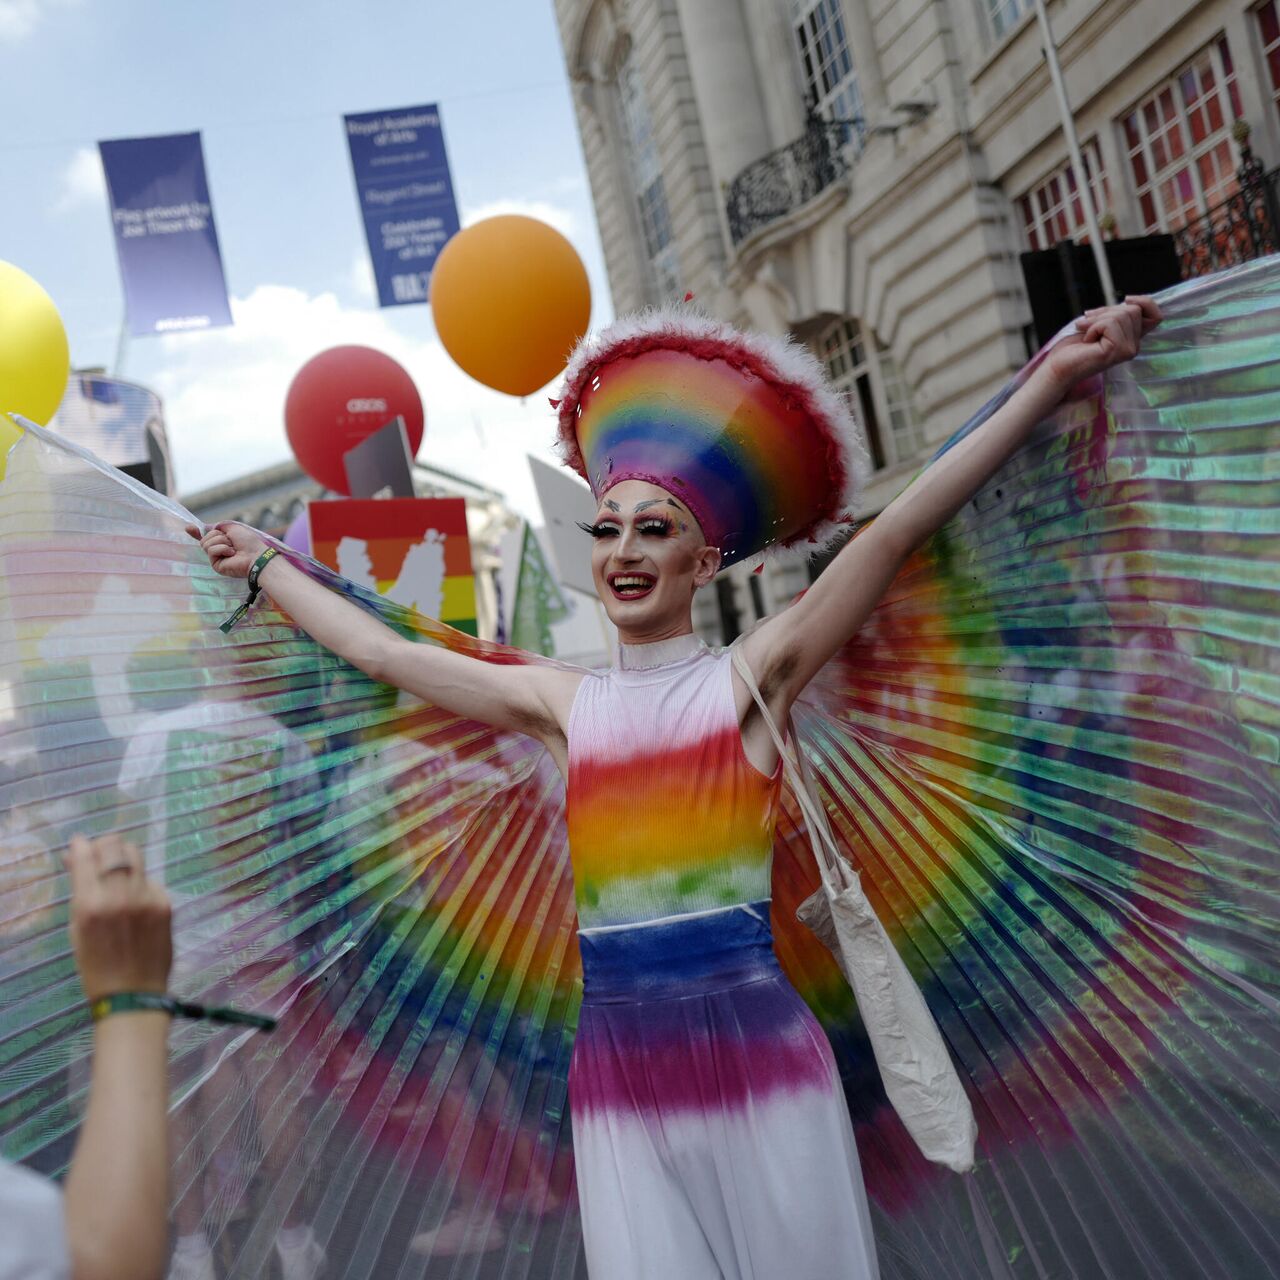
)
(10, 434)
(34, 359)
(510, 298)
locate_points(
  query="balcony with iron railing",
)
(1244, 226)
(788, 178)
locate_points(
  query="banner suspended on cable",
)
(406, 197)
(170, 263)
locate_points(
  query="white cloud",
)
(83, 181)
(360, 279)
(18, 18)
(553, 215)
(224, 392)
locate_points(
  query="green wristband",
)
(131, 1002)
(150, 1001)
(258, 565)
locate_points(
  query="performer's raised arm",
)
(788, 650)
(528, 699)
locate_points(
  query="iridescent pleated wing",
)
(1054, 753)
(389, 880)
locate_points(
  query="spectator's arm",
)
(117, 1193)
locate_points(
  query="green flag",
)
(539, 601)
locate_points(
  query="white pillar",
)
(725, 85)
(777, 68)
(866, 57)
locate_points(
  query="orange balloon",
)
(510, 297)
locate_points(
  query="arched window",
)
(1179, 140)
(864, 369)
(650, 191)
(1053, 210)
(1268, 16)
(826, 64)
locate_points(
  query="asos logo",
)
(358, 405)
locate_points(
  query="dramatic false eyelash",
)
(659, 526)
(663, 523)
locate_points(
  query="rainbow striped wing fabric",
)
(392, 882)
(1053, 752)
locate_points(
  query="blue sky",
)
(267, 82)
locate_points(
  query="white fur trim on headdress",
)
(780, 361)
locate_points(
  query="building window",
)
(647, 183)
(655, 219)
(1269, 29)
(1054, 210)
(842, 351)
(872, 384)
(830, 80)
(1179, 142)
(904, 425)
(666, 272)
(1004, 15)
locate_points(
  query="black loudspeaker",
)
(154, 473)
(1063, 281)
(142, 471)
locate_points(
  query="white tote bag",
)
(916, 1068)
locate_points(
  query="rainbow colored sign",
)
(414, 551)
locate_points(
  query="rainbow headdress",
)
(743, 428)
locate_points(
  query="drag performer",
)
(711, 1133)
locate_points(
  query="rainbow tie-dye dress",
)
(711, 1132)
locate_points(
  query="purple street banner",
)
(406, 197)
(166, 241)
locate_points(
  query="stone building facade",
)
(864, 174)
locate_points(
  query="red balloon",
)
(339, 398)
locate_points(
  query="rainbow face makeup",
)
(646, 548)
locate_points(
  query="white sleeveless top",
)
(666, 815)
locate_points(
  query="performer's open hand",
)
(1104, 337)
(231, 547)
